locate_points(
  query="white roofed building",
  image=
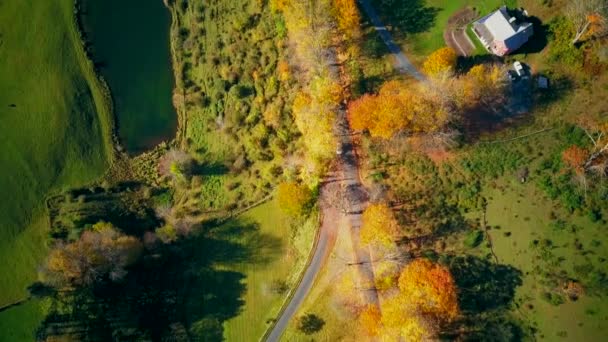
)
(501, 33)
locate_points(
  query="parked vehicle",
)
(519, 68)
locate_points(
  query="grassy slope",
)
(52, 138)
(260, 304)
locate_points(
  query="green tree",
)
(294, 199)
(310, 324)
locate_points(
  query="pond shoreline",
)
(128, 118)
(108, 119)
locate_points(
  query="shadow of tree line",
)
(408, 17)
(486, 293)
(184, 290)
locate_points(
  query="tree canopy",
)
(102, 252)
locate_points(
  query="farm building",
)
(501, 33)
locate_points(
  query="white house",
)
(500, 33)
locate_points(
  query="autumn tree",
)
(440, 61)
(348, 18)
(102, 252)
(575, 158)
(370, 320)
(293, 198)
(317, 132)
(482, 85)
(379, 225)
(430, 288)
(596, 129)
(409, 107)
(588, 17)
(402, 321)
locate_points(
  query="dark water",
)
(130, 43)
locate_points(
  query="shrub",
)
(553, 298)
(473, 238)
(561, 49)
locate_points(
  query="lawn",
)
(422, 44)
(261, 301)
(479, 49)
(55, 129)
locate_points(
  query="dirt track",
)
(455, 35)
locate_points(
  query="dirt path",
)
(455, 35)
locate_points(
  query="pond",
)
(130, 45)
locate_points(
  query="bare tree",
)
(585, 14)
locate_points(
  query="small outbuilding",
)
(543, 82)
(500, 33)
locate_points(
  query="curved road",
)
(402, 63)
(350, 178)
(324, 247)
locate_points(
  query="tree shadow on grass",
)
(485, 293)
(483, 285)
(176, 291)
(411, 16)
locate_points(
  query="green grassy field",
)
(525, 213)
(55, 132)
(261, 303)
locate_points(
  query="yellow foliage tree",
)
(401, 321)
(348, 18)
(442, 60)
(293, 198)
(379, 225)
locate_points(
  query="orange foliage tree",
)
(293, 198)
(588, 17)
(99, 253)
(370, 320)
(442, 60)
(430, 288)
(379, 225)
(425, 302)
(575, 158)
(399, 106)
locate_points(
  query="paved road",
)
(323, 249)
(402, 63)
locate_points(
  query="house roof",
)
(498, 24)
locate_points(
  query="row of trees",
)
(418, 301)
(310, 29)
